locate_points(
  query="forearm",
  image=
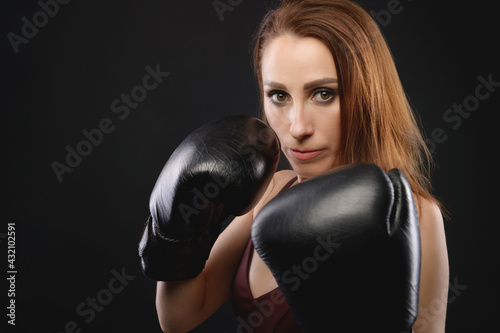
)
(181, 304)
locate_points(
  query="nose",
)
(301, 124)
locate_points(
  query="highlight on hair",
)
(378, 124)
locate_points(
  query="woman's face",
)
(301, 102)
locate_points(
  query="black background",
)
(70, 235)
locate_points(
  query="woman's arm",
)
(183, 305)
(434, 274)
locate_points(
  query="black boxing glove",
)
(220, 170)
(344, 247)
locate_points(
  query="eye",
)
(324, 95)
(278, 97)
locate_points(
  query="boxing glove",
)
(344, 247)
(220, 170)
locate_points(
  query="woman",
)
(331, 92)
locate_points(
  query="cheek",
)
(328, 126)
(334, 129)
(275, 121)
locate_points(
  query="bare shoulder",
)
(279, 180)
(434, 275)
(431, 219)
(432, 231)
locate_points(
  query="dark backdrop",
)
(67, 71)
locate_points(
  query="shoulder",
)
(434, 274)
(432, 231)
(430, 217)
(279, 180)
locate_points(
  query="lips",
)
(305, 154)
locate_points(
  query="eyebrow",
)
(307, 86)
(319, 82)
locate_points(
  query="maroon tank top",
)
(266, 313)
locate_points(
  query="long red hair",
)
(378, 124)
